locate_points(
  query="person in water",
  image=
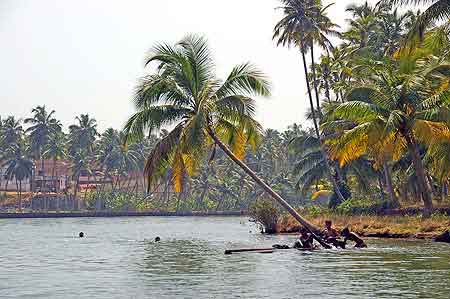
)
(331, 235)
(157, 239)
(81, 234)
(348, 235)
(305, 240)
(329, 231)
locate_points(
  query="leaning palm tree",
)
(185, 94)
(300, 26)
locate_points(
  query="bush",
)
(266, 214)
(335, 201)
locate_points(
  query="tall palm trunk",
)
(312, 228)
(53, 174)
(75, 203)
(316, 91)
(424, 191)
(316, 128)
(389, 186)
(20, 195)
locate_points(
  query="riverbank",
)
(116, 214)
(380, 226)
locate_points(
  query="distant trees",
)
(42, 126)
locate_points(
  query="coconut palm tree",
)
(299, 27)
(397, 105)
(12, 131)
(56, 149)
(185, 94)
(18, 166)
(80, 163)
(438, 10)
(83, 134)
(43, 124)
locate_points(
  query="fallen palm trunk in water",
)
(231, 251)
(264, 250)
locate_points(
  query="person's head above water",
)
(345, 232)
(157, 239)
(81, 234)
(303, 231)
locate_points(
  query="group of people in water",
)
(329, 235)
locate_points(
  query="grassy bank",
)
(414, 226)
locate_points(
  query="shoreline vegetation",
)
(378, 226)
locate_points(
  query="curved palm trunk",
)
(312, 228)
(424, 191)
(316, 128)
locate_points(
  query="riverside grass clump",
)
(408, 226)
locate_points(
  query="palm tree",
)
(80, 163)
(43, 124)
(56, 149)
(298, 27)
(11, 131)
(397, 105)
(83, 134)
(11, 134)
(18, 166)
(439, 10)
(185, 94)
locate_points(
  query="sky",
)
(86, 56)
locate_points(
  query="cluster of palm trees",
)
(104, 157)
(385, 91)
(378, 98)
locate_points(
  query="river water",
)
(44, 258)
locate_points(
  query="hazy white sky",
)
(85, 56)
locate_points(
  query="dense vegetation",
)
(379, 103)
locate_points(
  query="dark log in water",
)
(445, 237)
(231, 251)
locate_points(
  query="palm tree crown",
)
(186, 94)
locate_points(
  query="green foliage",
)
(315, 211)
(363, 207)
(335, 201)
(118, 201)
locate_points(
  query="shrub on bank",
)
(265, 213)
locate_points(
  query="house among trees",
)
(52, 176)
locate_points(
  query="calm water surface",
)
(43, 258)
